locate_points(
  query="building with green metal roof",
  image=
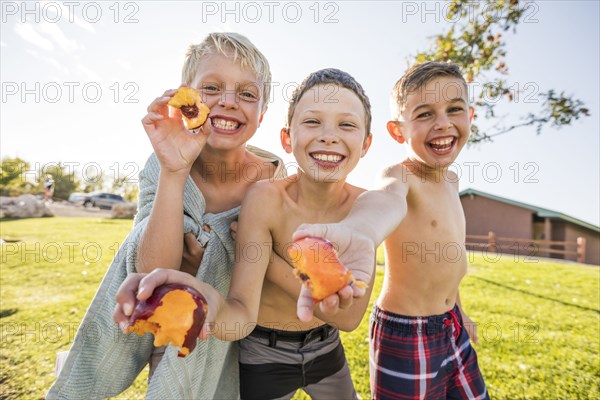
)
(509, 219)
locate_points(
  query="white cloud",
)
(87, 73)
(51, 8)
(49, 60)
(57, 35)
(84, 24)
(123, 64)
(55, 63)
(28, 33)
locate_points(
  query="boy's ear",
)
(286, 140)
(471, 114)
(366, 145)
(395, 130)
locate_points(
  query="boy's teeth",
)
(441, 143)
(225, 124)
(327, 157)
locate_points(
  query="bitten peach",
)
(192, 108)
(173, 314)
(316, 264)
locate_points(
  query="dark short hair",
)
(331, 76)
(418, 76)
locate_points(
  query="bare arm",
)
(374, 215)
(230, 318)
(161, 244)
(340, 311)
(238, 313)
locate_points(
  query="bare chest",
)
(291, 217)
(435, 216)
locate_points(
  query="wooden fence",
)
(534, 248)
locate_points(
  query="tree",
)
(12, 181)
(93, 182)
(475, 43)
(127, 187)
(65, 181)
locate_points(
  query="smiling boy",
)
(194, 183)
(419, 347)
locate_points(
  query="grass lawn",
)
(539, 322)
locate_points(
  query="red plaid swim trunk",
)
(423, 358)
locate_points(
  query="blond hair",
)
(233, 45)
(418, 76)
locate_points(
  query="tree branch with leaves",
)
(475, 43)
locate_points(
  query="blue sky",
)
(77, 78)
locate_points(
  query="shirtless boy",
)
(419, 347)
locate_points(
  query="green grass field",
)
(539, 322)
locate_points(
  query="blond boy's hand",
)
(138, 287)
(355, 250)
(175, 146)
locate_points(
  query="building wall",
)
(559, 230)
(559, 234)
(505, 220)
(484, 215)
(592, 248)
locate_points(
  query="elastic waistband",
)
(274, 335)
(431, 324)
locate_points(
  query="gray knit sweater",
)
(103, 362)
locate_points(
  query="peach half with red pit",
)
(174, 314)
(317, 265)
(193, 110)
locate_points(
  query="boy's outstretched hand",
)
(175, 146)
(138, 287)
(355, 250)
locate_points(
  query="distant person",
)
(419, 347)
(48, 188)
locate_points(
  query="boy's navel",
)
(434, 223)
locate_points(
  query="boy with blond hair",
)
(328, 131)
(191, 189)
(419, 347)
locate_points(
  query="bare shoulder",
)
(396, 171)
(257, 168)
(400, 172)
(453, 178)
(395, 179)
(354, 191)
(267, 192)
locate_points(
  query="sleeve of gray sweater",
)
(103, 362)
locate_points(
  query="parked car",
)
(102, 200)
(77, 197)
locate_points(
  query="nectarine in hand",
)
(317, 265)
(174, 314)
